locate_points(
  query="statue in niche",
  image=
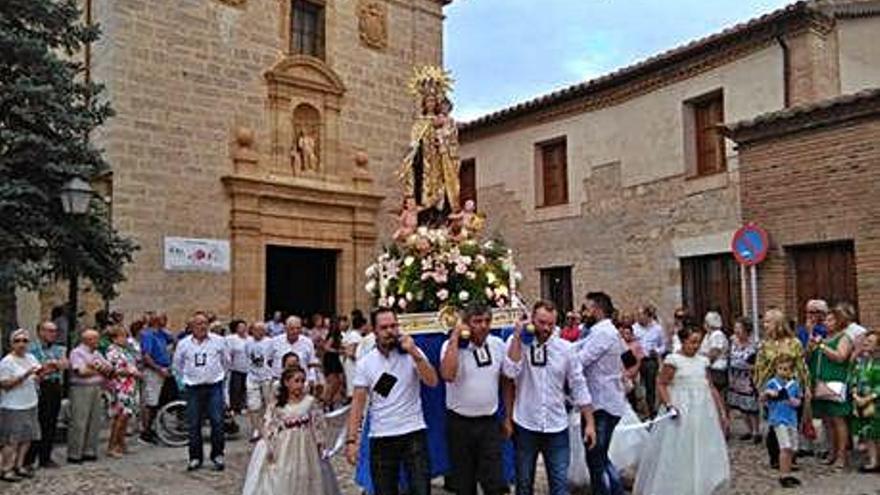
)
(307, 151)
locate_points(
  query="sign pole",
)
(756, 330)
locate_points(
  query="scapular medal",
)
(538, 355)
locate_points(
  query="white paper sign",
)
(202, 255)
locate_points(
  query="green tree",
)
(48, 109)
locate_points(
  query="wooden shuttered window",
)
(307, 28)
(824, 271)
(708, 116)
(554, 172)
(467, 178)
(556, 287)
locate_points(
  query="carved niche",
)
(305, 99)
(305, 150)
(373, 23)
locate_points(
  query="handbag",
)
(832, 391)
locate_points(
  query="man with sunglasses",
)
(814, 322)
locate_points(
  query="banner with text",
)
(200, 255)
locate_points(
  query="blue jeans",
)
(604, 477)
(202, 401)
(555, 450)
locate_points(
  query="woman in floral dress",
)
(865, 383)
(741, 393)
(123, 386)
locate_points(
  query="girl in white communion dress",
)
(686, 455)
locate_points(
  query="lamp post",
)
(75, 197)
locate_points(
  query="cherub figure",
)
(467, 219)
(408, 220)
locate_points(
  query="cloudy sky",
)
(502, 52)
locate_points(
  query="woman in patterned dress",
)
(741, 393)
(123, 386)
(865, 383)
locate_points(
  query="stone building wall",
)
(184, 75)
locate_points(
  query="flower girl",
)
(686, 455)
(288, 458)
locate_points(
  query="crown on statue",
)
(430, 80)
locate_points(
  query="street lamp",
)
(75, 197)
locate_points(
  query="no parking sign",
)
(750, 245)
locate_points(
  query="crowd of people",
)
(809, 389)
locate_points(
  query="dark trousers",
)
(648, 373)
(388, 454)
(47, 411)
(604, 477)
(205, 401)
(555, 450)
(475, 452)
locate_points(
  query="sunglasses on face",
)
(20, 341)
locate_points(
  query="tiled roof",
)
(855, 100)
(656, 62)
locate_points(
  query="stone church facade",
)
(264, 124)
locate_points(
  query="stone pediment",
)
(305, 72)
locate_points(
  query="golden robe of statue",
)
(429, 171)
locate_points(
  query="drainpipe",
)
(786, 70)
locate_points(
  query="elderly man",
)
(292, 340)
(389, 377)
(89, 371)
(471, 368)
(51, 356)
(155, 341)
(651, 337)
(603, 367)
(814, 322)
(201, 360)
(541, 371)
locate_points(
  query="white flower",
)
(467, 260)
(490, 277)
(489, 293)
(422, 230)
(481, 260)
(409, 296)
(471, 275)
(463, 295)
(489, 245)
(408, 261)
(427, 264)
(402, 303)
(371, 286)
(460, 269)
(390, 301)
(442, 294)
(371, 271)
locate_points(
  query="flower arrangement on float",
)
(432, 270)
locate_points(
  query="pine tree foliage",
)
(48, 111)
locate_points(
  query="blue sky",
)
(502, 52)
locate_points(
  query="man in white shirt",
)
(600, 356)
(202, 359)
(236, 342)
(350, 341)
(470, 365)
(540, 371)
(293, 341)
(390, 377)
(259, 376)
(651, 337)
(275, 326)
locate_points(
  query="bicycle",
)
(171, 425)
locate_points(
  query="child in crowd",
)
(783, 395)
(865, 379)
(288, 458)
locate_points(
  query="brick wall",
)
(811, 187)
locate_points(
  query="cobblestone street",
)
(158, 470)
